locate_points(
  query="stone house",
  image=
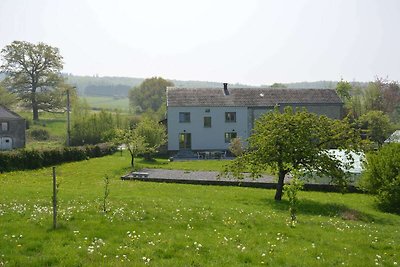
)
(207, 119)
(12, 130)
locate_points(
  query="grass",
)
(160, 224)
(108, 102)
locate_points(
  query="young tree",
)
(295, 141)
(149, 95)
(343, 89)
(154, 135)
(32, 70)
(135, 143)
(375, 125)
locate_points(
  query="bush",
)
(39, 134)
(33, 159)
(382, 177)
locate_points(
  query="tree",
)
(278, 85)
(382, 176)
(32, 70)
(7, 99)
(343, 89)
(135, 143)
(236, 146)
(154, 135)
(295, 141)
(375, 125)
(149, 95)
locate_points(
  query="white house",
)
(208, 118)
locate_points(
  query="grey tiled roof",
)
(8, 114)
(248, 97)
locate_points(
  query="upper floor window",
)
(207, 122)
(4, 126)
(229, 136)
(230, 116)
(184, 116)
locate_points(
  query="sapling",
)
(291, 190)
(106, 192)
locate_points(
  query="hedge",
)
(24, 159)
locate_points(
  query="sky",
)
(249, 41)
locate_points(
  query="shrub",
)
(382, 177)
(40, 134)
(33, 159)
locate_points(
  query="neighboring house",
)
(12, 130)
(394, 137)
(207, 119)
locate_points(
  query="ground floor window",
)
(229, 136)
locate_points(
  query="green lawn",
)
(159, 224)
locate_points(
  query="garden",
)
(156, 224)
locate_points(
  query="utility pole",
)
(68, 121)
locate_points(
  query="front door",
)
(5, 143)
(185, 141)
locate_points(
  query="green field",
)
(108, 102)
(159, 224)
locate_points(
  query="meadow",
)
(107, 102)
(157, 224)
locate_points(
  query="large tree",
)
(149, 95)
(32, 70)
(295, 140)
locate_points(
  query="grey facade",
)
(206, 119)
(12, 130)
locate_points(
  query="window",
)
(229, 136)
(207, 110)
(184, 116)
(230, 116)
(4, 126)
(207, 122)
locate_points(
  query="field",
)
(158, 224)
(108, 102)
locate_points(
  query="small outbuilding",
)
(12, 129)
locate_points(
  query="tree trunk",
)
(132, 161)
(35, 108)
(279, 186)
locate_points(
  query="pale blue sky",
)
(252, 42)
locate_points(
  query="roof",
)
(248, 97)
(5, 113)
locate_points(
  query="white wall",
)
(206, 138)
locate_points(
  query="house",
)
(12, 130)
(207, 119)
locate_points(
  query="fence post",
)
(54, 198)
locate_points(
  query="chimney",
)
(226, 91)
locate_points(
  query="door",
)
(5, 143)
(185, 141)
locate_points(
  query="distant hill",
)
(120, 86)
